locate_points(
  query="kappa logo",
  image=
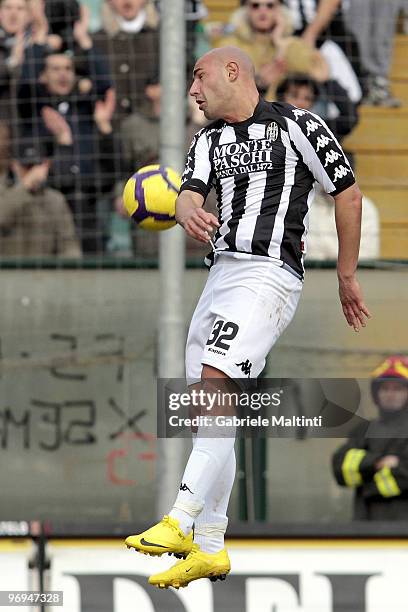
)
(184, 487)
(272, 131)
(312, 126)
(298, 113)
(322, 142)
(246, 367)
(340, 172)
(331, 157)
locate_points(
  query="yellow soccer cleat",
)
(197, 565)
(164, 538)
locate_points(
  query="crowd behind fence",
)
(80, 108)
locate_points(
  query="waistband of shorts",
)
(233, 256)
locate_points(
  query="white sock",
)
(211, 523)
(204, 466)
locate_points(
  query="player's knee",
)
(209, 373)
(222, 390)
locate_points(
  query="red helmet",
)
(395, 366)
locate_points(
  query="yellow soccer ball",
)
(150, 197)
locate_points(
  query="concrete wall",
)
(78, 396)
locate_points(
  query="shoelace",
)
(192, 552)
(195, 549)
(166, 519)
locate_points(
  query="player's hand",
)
(200, 224)
(351, 298)
(390, 461)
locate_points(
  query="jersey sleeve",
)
(197, 175)
(320, 150)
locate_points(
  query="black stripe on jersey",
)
(190, 165)
(217, 184)
(291, 247)
(270, 204)
(238, 203)
(195, 184)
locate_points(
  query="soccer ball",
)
(150, 197)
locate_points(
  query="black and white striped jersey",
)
(264, 170)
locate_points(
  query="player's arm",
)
(195, 186)
(190, 214)
(323, 155)
(348, 206)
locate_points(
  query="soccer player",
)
(263, 159)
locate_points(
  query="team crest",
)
(272, 131)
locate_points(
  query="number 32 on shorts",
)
(222, 333)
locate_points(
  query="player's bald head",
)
(224, 83)
(225, 56)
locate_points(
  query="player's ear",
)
(232, 71)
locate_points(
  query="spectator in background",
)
(140, 139)
(311, 18)
(317, 21)
(260, 29)
(373, 23)
(74, 117)
(14, 36)
(328, 99)
(4, 151)
(130, 40)
(197, 42)
(321, 238)
(322, 242)
(140, 133)
(374, 461)
(22, 23)
(62, 15)
(35, 221)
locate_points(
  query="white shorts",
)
(244, 308)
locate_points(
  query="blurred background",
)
(80, 104)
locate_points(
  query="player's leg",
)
(254, 306)
(210, 526)
(167, 536)
(212, 449)
(210, 559)
(270, 297)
